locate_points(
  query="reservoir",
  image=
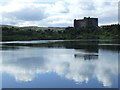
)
(60, 64)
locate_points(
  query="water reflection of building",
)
(88, 47)
(87, 56)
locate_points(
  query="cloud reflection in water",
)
(24, 65)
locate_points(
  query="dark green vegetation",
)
(17, 33)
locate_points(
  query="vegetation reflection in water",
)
(75, 61)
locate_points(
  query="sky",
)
(56, 13)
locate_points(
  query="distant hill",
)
(9, 26)
(35, 27)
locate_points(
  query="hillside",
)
(22, 33)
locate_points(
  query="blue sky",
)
(55, 13)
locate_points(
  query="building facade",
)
(86, 22)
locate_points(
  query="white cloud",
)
(61, 7)
(67, 9)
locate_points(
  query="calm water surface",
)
(60, 64)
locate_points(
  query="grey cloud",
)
(87, 6)
(109, 18)
(27, 14)
(107, 3)
(9, 21)
(119, 12)
(66, 10)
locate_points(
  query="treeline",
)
(103, 32)
(17, 33)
